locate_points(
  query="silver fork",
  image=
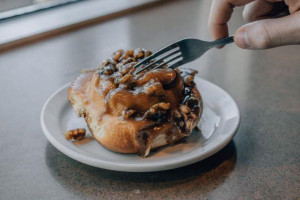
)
(180, 53)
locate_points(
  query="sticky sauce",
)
(114, 89)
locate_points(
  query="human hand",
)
(264, 31)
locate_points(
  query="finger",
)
(257, 10)
(294, 5)
(269, 33)
(220, 13)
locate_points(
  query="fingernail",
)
(242, 39)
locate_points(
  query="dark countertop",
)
(262, 161)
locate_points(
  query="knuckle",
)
(265, 40)
(247, 17)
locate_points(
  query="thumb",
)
(269, 33)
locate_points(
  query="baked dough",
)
(129, 113)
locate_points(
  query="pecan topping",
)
(129, 53)
(188, 80)
(185, 109)
(149, 85)
(153, 88)
(107, 62)
(193, 116)
(125, 78)
(128, 113)
(126, 68)
(192, 102)
(158, 112)
(140, 54)
(126, 61)
(188, 125)
(76, 134)
(188, 76)
(177, 114)
(117, 55)
(185, 116)
(162, 105)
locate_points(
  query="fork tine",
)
(168, 48)
(176, 64)
(151, 64)
(162, 64)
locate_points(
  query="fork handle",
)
(222, 42)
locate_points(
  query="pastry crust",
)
(104, 113)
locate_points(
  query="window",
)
(23, 20)
(15, 8)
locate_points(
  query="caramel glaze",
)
(135, 98)
(162, 100)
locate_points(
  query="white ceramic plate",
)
(218, 125)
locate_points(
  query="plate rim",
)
(133, 167)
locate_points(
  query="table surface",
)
(262, 161)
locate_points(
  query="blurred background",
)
(14, 4)
(8, 4)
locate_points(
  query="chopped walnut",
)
(185, 116)
(119, 66)
(128, 113)
(148, 53)
(126, 68)
(188, 125)
(107, 70)
(125, 78)
(126, 61)
(162, 105)
(153, 88)
(192, 102)
(185, 109)
(117, 55)
(158, 112)
(179, 120)
(188, 75)
(188, 80)
(185, 72)
(107, 62)
(177, 114)
(76, 134)
(181, 124)
(129, 53)
(193, 116)
(140, 54)
(152, 110)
